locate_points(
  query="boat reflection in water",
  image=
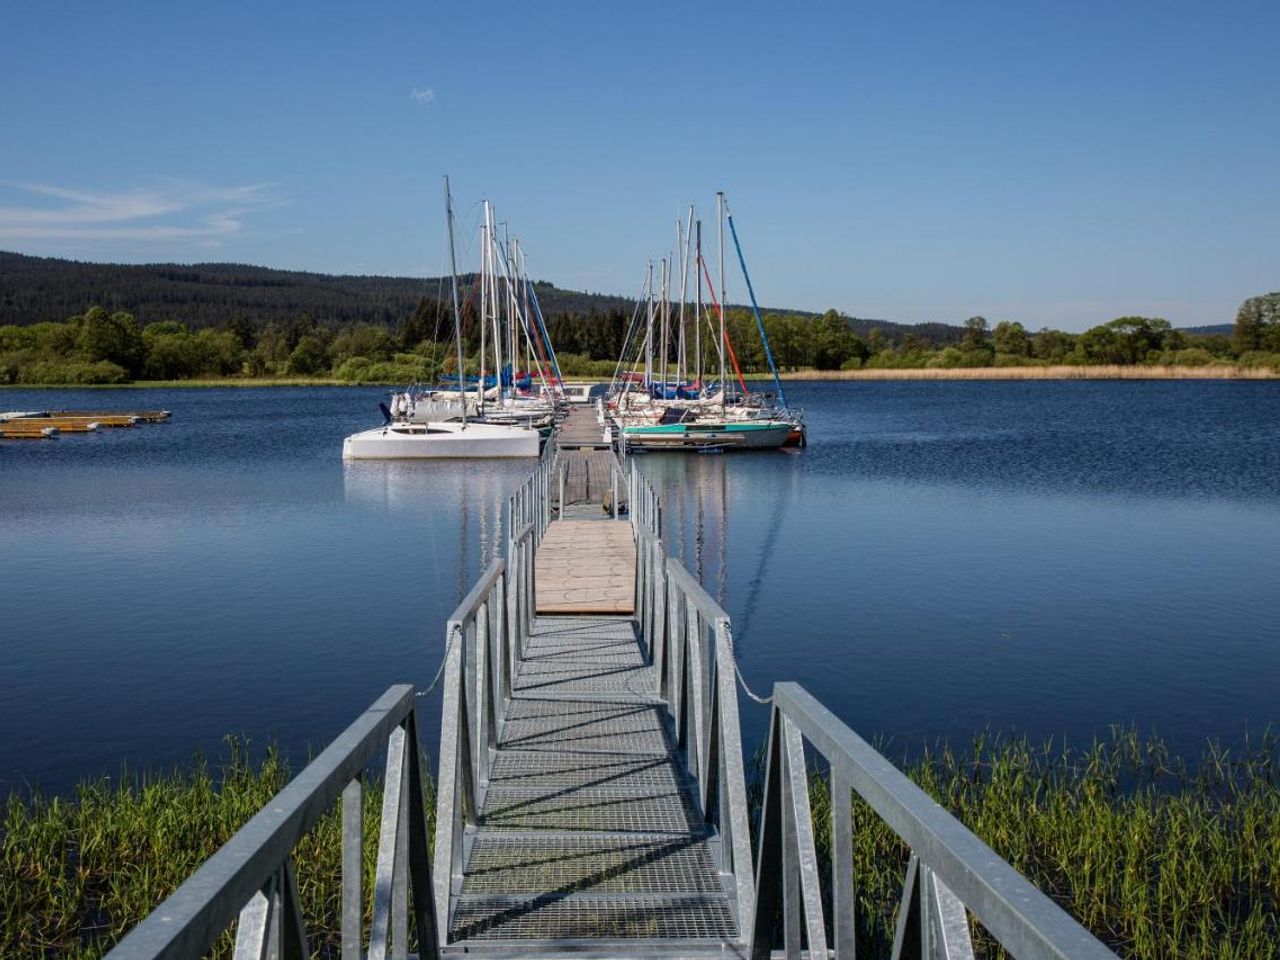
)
(417, 491)
(731, 559)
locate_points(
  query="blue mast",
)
(755, 308)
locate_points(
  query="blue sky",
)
(1059, 164)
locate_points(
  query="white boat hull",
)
(415, 441)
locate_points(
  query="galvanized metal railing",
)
(251, 880)
(689, 640)
(645, 508)
(484, 640)
(531, 503)
(950, 875)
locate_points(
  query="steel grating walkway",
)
(589, 829)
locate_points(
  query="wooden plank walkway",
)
(588, 484)
(586, 566)
(580, 431)
(590, 828)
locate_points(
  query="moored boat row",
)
(663, 399)
(670, 391)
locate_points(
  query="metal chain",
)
(742, 681)
(457, 631)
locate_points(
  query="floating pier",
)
(20, 425)
(591, 798)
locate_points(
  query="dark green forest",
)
(63, 322)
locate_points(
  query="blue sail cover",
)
(673, 391)
(470, 380)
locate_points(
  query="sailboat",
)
(455, 435)
(654, 412)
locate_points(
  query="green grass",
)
(1159, 858)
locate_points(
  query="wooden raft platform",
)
(586, 566)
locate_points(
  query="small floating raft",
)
(9, 432)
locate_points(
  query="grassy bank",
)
(1158, 860)
(1052, 372)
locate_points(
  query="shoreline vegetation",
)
(1158, 857)
(1047, 372)
(101, 348)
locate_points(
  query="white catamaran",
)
(437, 428)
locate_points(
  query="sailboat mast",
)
(666, 327)
(523, 296)
(497, 309)
(697, 317)
(648, 328)
(513, 343)
(723, 341)
(485, 297)
(457, 313)
(683, 238)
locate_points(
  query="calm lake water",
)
(1048, 558)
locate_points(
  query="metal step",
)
(557, 770)
(640, 864)
(621, 811)
(551, 917)
(585, 725)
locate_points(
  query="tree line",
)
(104, 347)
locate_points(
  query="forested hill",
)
(35, 289)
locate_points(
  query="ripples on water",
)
(944, 557)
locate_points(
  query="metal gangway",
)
(591, 798)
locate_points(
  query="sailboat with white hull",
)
(455, 434)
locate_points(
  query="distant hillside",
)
(34, 289)
(1212, 330)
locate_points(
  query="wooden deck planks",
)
(586, 566)
(580, 429)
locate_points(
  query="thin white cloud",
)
(423, 95)
(172, 210)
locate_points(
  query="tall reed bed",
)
(77, 874)
(1159, 858)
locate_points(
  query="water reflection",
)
(473, 494)
(944, 557)
(940, 561)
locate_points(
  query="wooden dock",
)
(580, 431)
(18, 426)
(586, 566)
